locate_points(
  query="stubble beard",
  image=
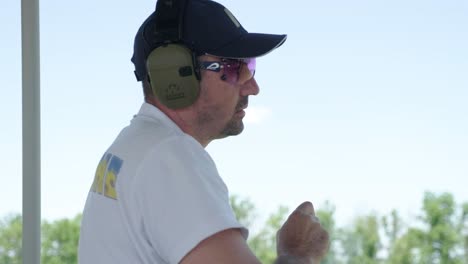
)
(233, 127)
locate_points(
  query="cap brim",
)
(250, 45)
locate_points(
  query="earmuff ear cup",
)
(173, 76)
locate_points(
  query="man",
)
(157, 196)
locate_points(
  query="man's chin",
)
(233, 128)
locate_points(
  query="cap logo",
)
(233, 19)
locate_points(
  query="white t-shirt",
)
(156, 195)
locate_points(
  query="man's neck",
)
(184, 119)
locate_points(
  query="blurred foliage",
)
(60, 241)
(439, 235)
(10, 240)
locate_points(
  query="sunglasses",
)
(234, 70)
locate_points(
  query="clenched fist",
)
(302, 237)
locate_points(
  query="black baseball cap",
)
(207, 28)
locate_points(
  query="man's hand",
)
(302, 238)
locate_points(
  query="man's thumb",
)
(306, 208)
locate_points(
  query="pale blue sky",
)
(365, 105)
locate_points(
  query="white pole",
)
(31, 132)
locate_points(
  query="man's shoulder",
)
(182, 148)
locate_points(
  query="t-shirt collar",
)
(152, 112)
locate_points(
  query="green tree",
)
(400, 245)
(393, 226)
(244, 210)
(361, 242)
(10, 240)
(326, 214)
(463, 229)
(263, 242)
(60, 241)
(440, 237)
(406, 248)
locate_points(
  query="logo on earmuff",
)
(174, 92)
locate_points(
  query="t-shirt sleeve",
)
(182, 198)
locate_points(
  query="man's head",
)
(223, 99)
(183, 45)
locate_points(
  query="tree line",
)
(439, 235)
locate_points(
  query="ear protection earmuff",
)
(172, 67)
(173, 76)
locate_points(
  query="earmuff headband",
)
(170, 20)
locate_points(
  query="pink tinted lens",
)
(231, 70)
(239, 70)
(247, 70)
(251, 65)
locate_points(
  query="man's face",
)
(220, 107)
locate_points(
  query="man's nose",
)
(250, 88)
